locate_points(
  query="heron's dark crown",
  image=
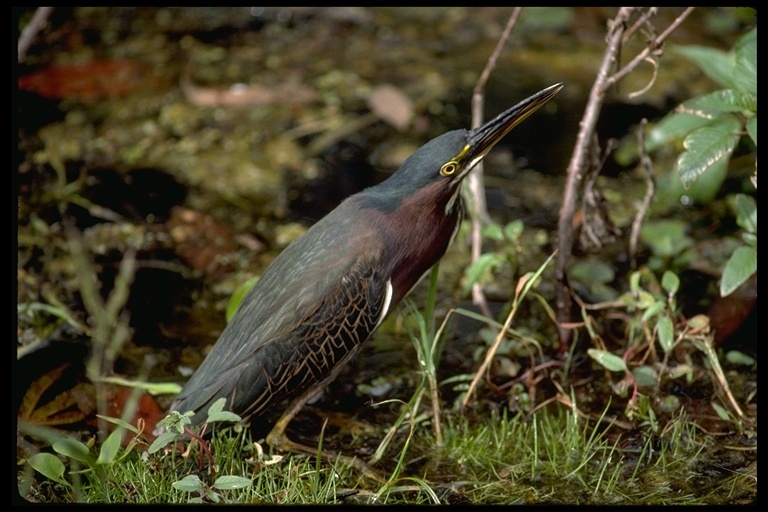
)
(418, 171)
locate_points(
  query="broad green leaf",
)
(217, 406)
(670, 282)
(110, 447)
(73, 449)
(232, 482)
(223, 416)
(216, 412)
(718, 102)
(740, 266)
(745, 62)
(672, 127)
(474, 272)
(609, 361)
(492, 231)
(514, 229)
(749, 238)
(666, 332)
(595, 275)
(666, 238)
(736, 69)
(669, 403)
(745, 208)
(592, 270)
(49, 466)
(740, 358)
(706, 147)
(752, 128)
(190, 483)
(716, 64)
(681, 370)
(162, 440)
(653, 310)
(645, 376)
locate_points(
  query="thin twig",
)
(29, 32)
(478, 208)
(108, 320)
(650, 48)
(650, 190)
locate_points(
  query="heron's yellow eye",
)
(449, 168)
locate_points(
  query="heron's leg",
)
(278, 439)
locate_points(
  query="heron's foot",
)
(278, 440)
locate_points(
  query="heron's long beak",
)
(483, 138)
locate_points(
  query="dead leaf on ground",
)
(392, 105)
(69, 406)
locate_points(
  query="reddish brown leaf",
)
(87, 81)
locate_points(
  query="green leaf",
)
(716, 64)
(745, 208)
(674, 126)
(223, 416)
(216, 412)
(739, 358)
(666, 332)
(217, 406)
(740, 266)
(238, 296)
(752, 128)
(707, 147)
(120, 423)
(73, 449)
(721, 411)
(513, 230)
(653, 310)
(719, 102)
(493, 232)
(645, 376)
(592, 270)
(666, 238)
(49, 466)
(232, 482)
(745, 62)
(190, 483)
(609, 361)
(670, 282)
(162, 440)
(110, 447)
(749, 239)
(475, 271)
(32, 307)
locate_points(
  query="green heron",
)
(324, 295)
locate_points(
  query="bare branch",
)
(575, 172)
(29, 32)
(617, 34)
(652, 46)
(478, 209)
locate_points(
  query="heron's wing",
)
(306, 315)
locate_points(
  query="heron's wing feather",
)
(306, 315)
